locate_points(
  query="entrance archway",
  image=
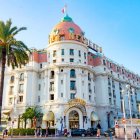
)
(73, 119)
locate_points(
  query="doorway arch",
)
(73, 119)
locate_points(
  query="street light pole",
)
(124, 118)
(130, 111)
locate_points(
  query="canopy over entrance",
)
(94, 117)
(49, 116)
(6, 111)
(78, 103)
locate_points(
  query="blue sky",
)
(112, 24)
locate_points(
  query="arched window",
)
(12, 79)
(89, 78)
(72, 73)
(52, 75)
(21, 77)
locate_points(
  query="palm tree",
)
(12, 51)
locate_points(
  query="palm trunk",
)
(3, 62)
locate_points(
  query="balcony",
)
(72, 88)
(72, 76)
(51, 89)
(21, 79)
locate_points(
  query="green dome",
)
(66, 19)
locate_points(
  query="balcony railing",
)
(72, 88)
(51, 89)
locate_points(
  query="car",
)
(91, 131)
(78, 132)
(112, 130)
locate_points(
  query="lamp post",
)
(126, 91)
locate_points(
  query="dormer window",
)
(56, 31)
(71, 30)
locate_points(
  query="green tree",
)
(13, 52)
(31, 113)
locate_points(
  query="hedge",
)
(29, 131)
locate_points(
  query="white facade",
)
(66, 82)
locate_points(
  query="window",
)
(82, 83)
(110, 65)
(62, 59)
(61, 81)
(38, 98)
(40, 66)
(79, 53)
(72, 96)
(10, 100)
(39, 75)
(89, 97)
(20, 98)
(85, 55)
(72, 85)
(21, 88)
(71, 52)
(61, 70)
(114, 102)
(61, 94)
(12, 79)
(51, 96)
(89, 88)
(52, 75)
(110, 101)
(104, 62)
(54, 53)
(11, 90)
(51, 86)
(89, 77)
(71, 60)
(21, 77)
(39, 87)
(62, 37)
(62, 52)
(72, 73)
(54, 61)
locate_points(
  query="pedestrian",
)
(137, 133)
(5, 132)
(40, 131)
(35, 132)
(46, 132)
(65, 132)
(110, 134)
(98, 129)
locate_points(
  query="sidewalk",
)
(50, 138)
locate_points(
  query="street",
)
(61, 138)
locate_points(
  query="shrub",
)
(29, 131)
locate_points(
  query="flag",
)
(64, 9)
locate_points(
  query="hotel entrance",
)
(73, 120)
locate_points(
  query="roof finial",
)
(64, 10)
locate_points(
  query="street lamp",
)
(126, 91)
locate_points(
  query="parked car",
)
(112, 130)
(91, 131)
(78, 132)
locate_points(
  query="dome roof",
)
(66, 30)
